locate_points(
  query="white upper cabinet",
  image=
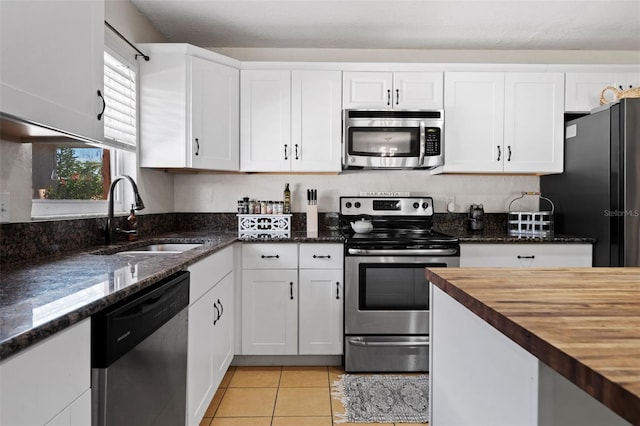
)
(290, 121)
(504, 122)
(265, 120)
(53, 63)
(316, 121)
(583, 89)
(189, 110)
(474, 121)
(215, 117)
(400, 90)
(534, 123)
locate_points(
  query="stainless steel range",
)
(386, 292)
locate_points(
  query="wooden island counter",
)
(582, 324)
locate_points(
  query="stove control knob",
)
(425, 205)
(348, 204)
(357, 204)
(416, 205)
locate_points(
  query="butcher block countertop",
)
(582, 322)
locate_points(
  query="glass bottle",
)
(287, 199)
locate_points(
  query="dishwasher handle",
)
(118, 329)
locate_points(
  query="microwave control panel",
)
(432, 141)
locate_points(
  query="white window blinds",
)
(120, 97)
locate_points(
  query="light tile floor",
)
(277, 396)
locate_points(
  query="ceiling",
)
(399, 24)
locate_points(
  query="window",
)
(120, 97)
(74, 178)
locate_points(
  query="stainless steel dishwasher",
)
(139, 358)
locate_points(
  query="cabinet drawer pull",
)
(197, 147)
(509, 155)
(397, 96)
(526, 257)
(297, 156)
(286, 152)
(388, 96)
(291, 290)
(337, 290)
(318, 256)
(499, 153)
(277, 256)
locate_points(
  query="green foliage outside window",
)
(74, 178)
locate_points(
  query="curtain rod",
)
(146, 57)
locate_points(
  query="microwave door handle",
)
(422, 144)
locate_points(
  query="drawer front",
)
(525, 255)
(321, 256)
(270, 256)
(208, 271)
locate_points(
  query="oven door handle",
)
(415, 252)
(358, 342)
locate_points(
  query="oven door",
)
(388, 294)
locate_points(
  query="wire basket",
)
(261, 226)
(535, 224)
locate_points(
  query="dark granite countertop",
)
(502, 237)
(41, 297)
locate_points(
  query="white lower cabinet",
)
(321, 299)
(76, 414)
(210, 349)
(287, 310)
(270, 312)
(526, 255)
(478, 376)
(49, 383)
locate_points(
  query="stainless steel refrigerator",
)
(598, 195)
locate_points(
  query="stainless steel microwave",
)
(392, 139)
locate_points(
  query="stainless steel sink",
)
(167, 248)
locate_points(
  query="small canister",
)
(476, 217)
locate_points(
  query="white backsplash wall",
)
(221, 192)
